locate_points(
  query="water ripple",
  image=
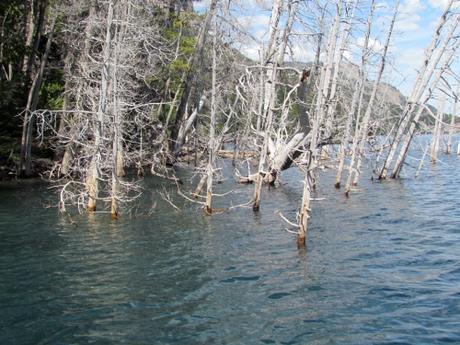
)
(381, 268)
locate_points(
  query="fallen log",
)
(237, 154)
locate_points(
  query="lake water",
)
(382, 267)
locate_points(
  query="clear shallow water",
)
(382, 267)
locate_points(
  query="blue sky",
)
(413, 31)
(415, 27)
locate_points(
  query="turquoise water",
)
(382, 267)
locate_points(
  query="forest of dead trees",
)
(109, 91)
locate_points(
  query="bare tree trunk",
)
(305, 205)
(187, 124)
(36, 28)
(32, 102)
(423, 78)
(92, 185)
(326, 93)
(191, 75)
(117, 153)
(338, 59)
(70, 147)
(319, 43)
(212, 126)
(263, 154)
(260, 94)
(437, 132)
(452, 123)
(292, 8)
(29, 9)
(68, 155)
(365, 123)
(269, 96)
(324, 85)
(421, 162)
(354, 147)
(347, 133)
(66, 160)
(413, 126)
(92, 180)
(364, 59)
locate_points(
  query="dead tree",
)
(270, 64)
(325, 97)
(437, 132)
(452, 122)
(212, 123)
(325, 85)
(93, 176)
(432, 56)
(189, 81)
(362, 133)
(343, 44)
(107, 125)
(407, 138)
(35, 24)
(32, 102)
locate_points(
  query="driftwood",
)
(237, 154)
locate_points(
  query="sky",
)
(414, 28)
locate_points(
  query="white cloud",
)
(302, 54)
(251, 50)
(411, 58)
(412, 6)
(254, 22)
(442, 4)
(374, 45)
(201, 6)
(408, 23)
(265, 4)
(409, 16)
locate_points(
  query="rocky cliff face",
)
(391, 94)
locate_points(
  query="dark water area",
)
(382, 267)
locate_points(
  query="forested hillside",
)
(52, 54)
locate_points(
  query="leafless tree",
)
(434, 53)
